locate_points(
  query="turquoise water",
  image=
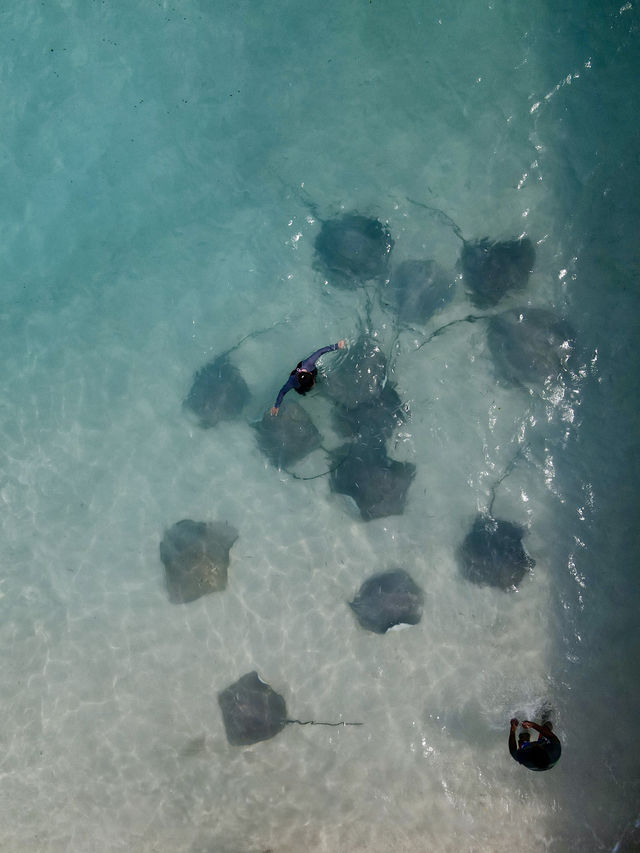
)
(163, 169)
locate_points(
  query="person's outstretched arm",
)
(289, 384)
(545, 731)
(310, 361)
(513, 746)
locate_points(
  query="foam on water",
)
(165, 170)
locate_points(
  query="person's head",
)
(306, 381)
(523, 737)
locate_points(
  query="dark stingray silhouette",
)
(388, 599)
(288, 437)
(530, 345)
(219, 393)
(419, 289)
(491, 269)
(492, 553)
(252, 711)
(352, 249)
(374, 420)
(195, 555)
(360, 375)
(378, 484)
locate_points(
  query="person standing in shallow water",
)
(303, 377)
(540, 754)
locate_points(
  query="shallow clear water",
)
(164, 169)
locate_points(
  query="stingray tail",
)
(324, 473)
(442, 216)
(368, 324)
(521, 452)
(470, 318)
(255, 334)
(317, 723)
(303, 196)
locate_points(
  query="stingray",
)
(420, 289)
(352, 249)
(492, 269)
(374, 420)
(219, 393)
(388, 599)
(287, 437)
(196, 558)
(492, 553)
(530, 345)
(378, 484)
(360, 376)
(252, 711)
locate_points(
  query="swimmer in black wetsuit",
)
(541, 754)
(303, 378)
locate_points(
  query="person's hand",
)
(341, 344)
(514, 723)
(274, 411)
